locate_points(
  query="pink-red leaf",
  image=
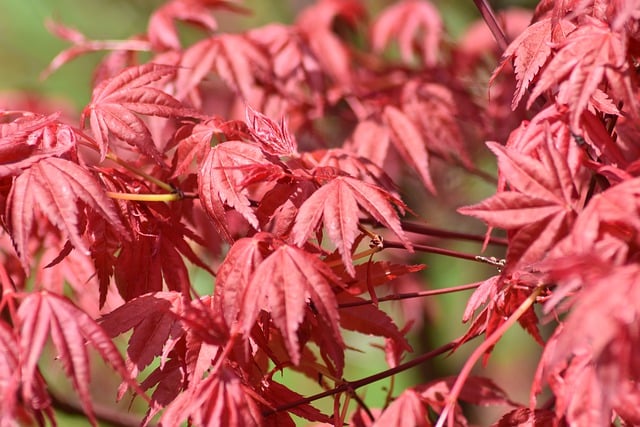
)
(415, 25)
(154, 319)
(588, 56)
(541, 207)
(285, 284)
(336, 203)
(222, 181)
(116, 102)
(273, 137)
(408, 141)
(221, 399)
(59, 189)
(44, 314)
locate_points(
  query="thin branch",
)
(408, 295)
(434, 250)
(447, 412)
(414, 227)
(353, 385)
(490, 18)
(103, 413)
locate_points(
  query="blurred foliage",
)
(26, 47)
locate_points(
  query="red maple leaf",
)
(26, 138)
(539, 209)
(43, 314)
(59, 189)
(236, 272)
(590, 55)
(201, 137)
(235, 58)
(16, 389)
(116, 103)
(409, 142)
(222, 180)
(416, 26)
(530, 51)
(220, 399)
(162, 31)
(290, 284)
(336, 203)
(273, 137)
(156, 326)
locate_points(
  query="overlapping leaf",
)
(415, 25)
(530, 51)
(540, 207)
(221, 399)
(26, 138)
(223, 177)
(59, 189)
(236, 271)
(409, 142)
(154, 319)
(116, 102)
(336, 204)
(589, 56)
(236, 59)
(285, 284)
(274, 138)
(42, 315)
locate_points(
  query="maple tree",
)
(289, 163)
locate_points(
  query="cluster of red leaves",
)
(179, 159)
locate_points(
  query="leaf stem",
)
(447, 413)
(408, 295)
(167, 197)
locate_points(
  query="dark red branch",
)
(414, 227)
(490, 18)
(408, 295)
(104, 414)
(433, 250)
(353, 385)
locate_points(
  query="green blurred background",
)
(25, 50)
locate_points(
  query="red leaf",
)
(278, 394)
(376, 273)
(406, 409)
(156, 326)
(218, 400)
(114, 102)
(237, 59)
(588, 56)
(59, 189)
(201, 138)
(408, 141)
(415, 25)
(274, 138)
(530, 52)
(236, 271)
(540, 209)
(369, 319)
(337, 204)
(43, 314)
(284, 284)
(26, 138)
(222, 181)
